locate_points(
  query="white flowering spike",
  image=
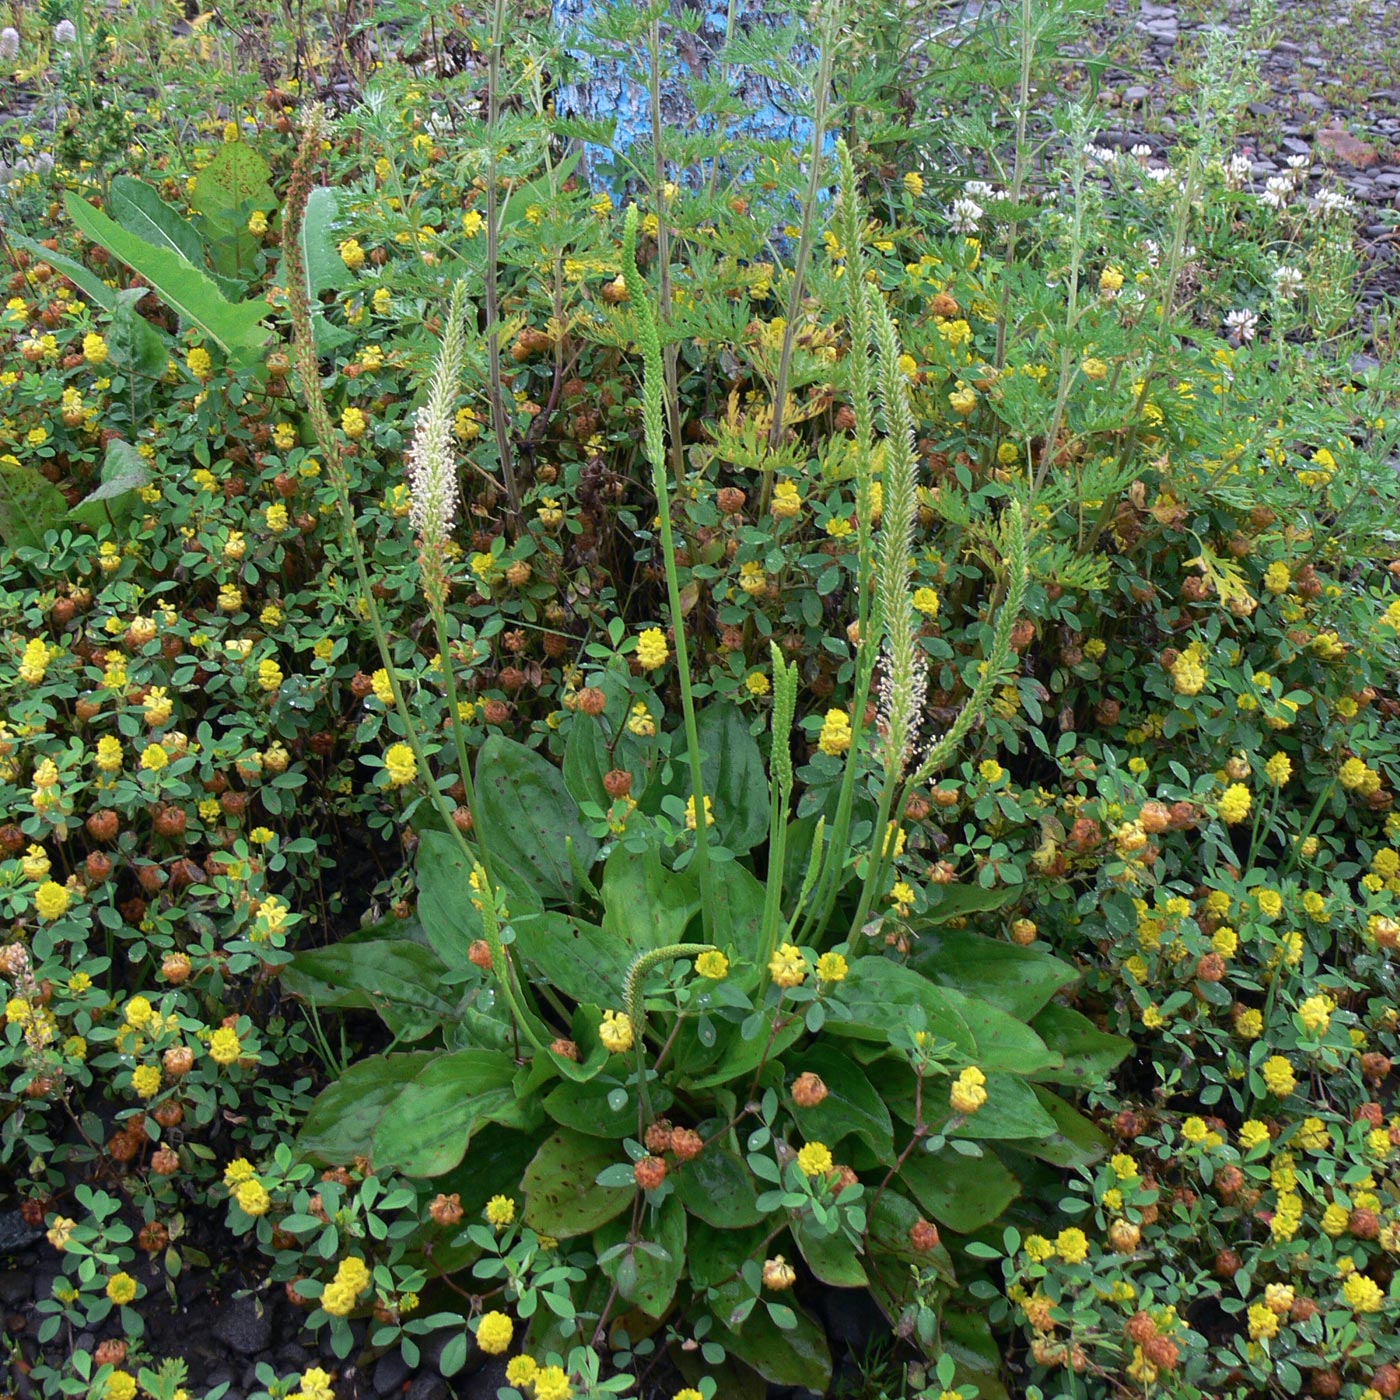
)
(64, 32)
(9, 44)
(432, 466)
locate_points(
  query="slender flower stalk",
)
(653, 420)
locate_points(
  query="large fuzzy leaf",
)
(562, 1196)
(140, 210)
(84, 278)
(29, 506)
(235, 328)
(340, 1125)
(325, 268)
(1018, 980)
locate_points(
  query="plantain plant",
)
(693, 1030)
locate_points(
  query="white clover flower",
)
(1141, 151)
(1329, 202)
(9, 44)
(1298, 162)
(1157, 174)
(979, 189)
(1241, 324)
(64, 33)
(1288, 282)
(965, 215)
(1277, 190)
(1237, 170)
(1151, 251)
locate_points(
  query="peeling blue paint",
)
(609, 90)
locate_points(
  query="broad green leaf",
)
(646, 906)
(84, 278)
(734, 776)
(977, 1354)
(451, 923)
(892, 1217)
(716, 1256)
(387, 975)
(525, 817)
(1076, 1142)
(226, 192)
(717, 1187)
(597, 744)
(585, 1107)
(963, 1193)
(577, 958)
(830, 1257)
(739, 1056)
(425, 1131)
(139, 350)
(851, 1105)
(794, 1356)
(957, 901)
(235, 328)
(124, 472)
(738, 919)
(562, 1197)
(1089, 1054)
(1018, 980)
(653, 1278)
(882, 994)
(1012, 1110)
(340, 1125)
(140, 210)
(30, 505)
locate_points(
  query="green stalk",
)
(653, 416)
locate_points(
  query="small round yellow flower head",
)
(121, 1288)
(1279, 769)
(154, 758)
(615, 1032)
(1278, 1076)
(835, 737)
(832, 967)
(121, 1385)
(1315, 1012)
(926, 601)
(788, 967)
(968, 1092)
(35, 864)
(351, 254)
(353, 422)
(552, 1383)
(521, 1371)
(238, 1171)
(199, 364)
(1072, 1246)
(757, 683)
(815, 1159)
(652, 652)
(1188, 675)
(1235, 803)
(990, 770)
(94, 348)
(690, 812)
(400, 766)
(252, 1197)
(500, 1211)
(494, 1333)
(145, 1080)
(1362, 1294)
(224, 1046)
(339, 1298)
(60, 1232)
(1263, 1323)
(712, 965)
(51, 900)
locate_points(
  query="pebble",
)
(244, 1326)
(429, 1386)
(390, 1372)
(14, 1287)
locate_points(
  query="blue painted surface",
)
(610, 90)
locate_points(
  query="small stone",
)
(244, 1327)
(1311, 99)
(429, 1386)
(1135, 94)
(1342, 144)
(390, 1372)
(14, 1287)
